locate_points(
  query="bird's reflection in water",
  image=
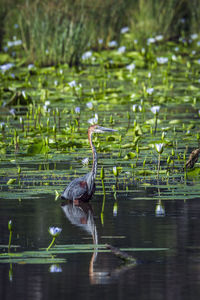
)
(81, 215)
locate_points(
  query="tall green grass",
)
(154, 17)
(61, 31)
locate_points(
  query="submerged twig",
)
(193, 158)
(122, 255)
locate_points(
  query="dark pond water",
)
(172, 272)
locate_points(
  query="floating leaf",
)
(130, 155)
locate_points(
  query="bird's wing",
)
(76, 189)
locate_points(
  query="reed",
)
(57, 32)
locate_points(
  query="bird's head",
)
(99, 129)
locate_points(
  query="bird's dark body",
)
(78, 189)
(83, 188)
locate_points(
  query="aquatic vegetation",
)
(54, 232)
(160, 209)
(55, 268)
(43, 124)
(155, 110)
(43, 146)
(159, 148)
(10, 233)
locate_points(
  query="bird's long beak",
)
(107, 129)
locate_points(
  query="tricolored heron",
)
(83, 188)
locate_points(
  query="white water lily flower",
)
(94, 120)
(174, 57)
(85, 161)
(12, 111)
(155, 109)
(55, 231)
(130, 67)
(6, 67)
(159, 37)
(10, 225)
(14, 43)
(30, 66)
(150, 41)
(160, 210)
(112, 44)
(89, 105)
(47, 103)
(134, 107)
(194, 36)
(150, 91)
(77, 110)
(72, 83)
(124, 30)
(46, 108)
(55, 269)
(140, 107)
(159, 147)
(86, 55)
(121, 49)
(162, 60)
(115, 171)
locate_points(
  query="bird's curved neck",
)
(94, 152)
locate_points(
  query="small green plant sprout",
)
(160, 209)
(10, 275)
(102, 174)
(57, 195)
(155, 110)
(163, 135)
(104, 195)
(54, 232)
(10, 235)
(159, 148)
(19, 170)
(102, 179)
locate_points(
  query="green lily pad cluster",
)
(150, 95)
